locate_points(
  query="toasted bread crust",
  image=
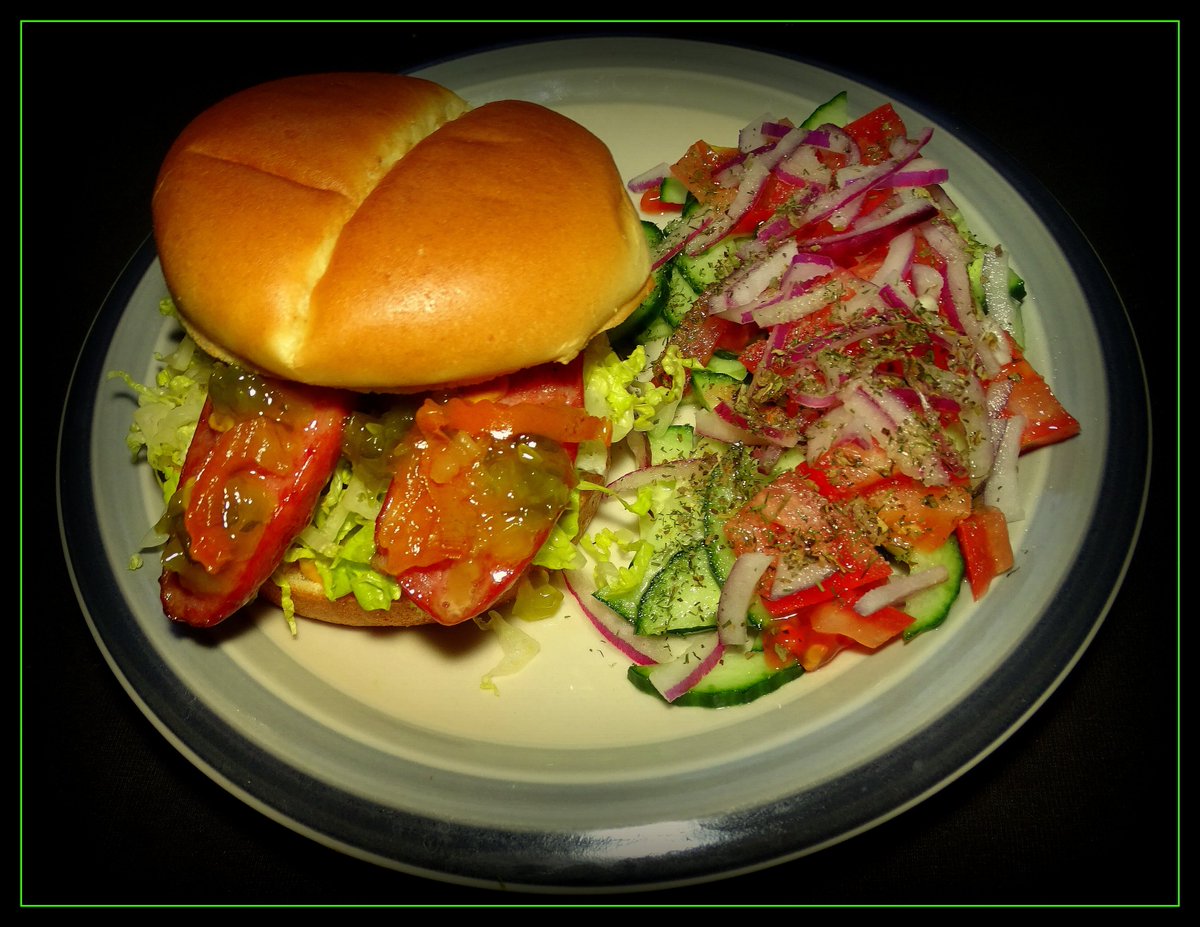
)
(310, 601)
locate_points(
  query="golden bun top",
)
(371, 232)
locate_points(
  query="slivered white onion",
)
(1002, 489)
(899, 588)
(736, 596)
(790, 578)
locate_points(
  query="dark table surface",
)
(1079, 806)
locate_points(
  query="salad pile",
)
(825, 398)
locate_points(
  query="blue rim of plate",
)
(714, 847)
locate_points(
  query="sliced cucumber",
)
(929, 608)
(672, 190)
(732, 483)
(738, 679)
(680, 296)
(727, 362)
(832, 112)
(790, 459)
(682, 597)
(651, 307)
(710, 266)
(711, 388)
(1016, 286)
(677, 525)
(677, 442)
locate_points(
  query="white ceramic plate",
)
(383, 744)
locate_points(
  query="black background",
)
(1079, 806)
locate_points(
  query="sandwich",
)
(397, 290)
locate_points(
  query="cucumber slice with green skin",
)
(711, 266)
(1016, 286)
(711, 388)
(732, 483)
(677, 442)
(651, 307)
(930, 607)
(659, 329)
(672, 190)
(790, 459)
(677, 525)
(727, 362)
(680, 296)
(737, 680)
(682, 597)
(832, 112)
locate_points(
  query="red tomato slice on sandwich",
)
(253, 476)
(479, 484)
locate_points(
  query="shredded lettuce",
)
(287, 603)
(340, 542)
(167, 412)
(616, 571)
(537, 597)
(519, 648)
(620, 390)
(559, 551)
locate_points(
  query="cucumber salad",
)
(823, 399)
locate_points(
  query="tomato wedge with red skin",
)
(875, 132)
(838, 586)
(249, 485)
(871, 631)
(1046, 421)
(696, 170)
(460, 523)
(986, 547)
(774, 194)
(794, 640)
(652, 203)
(700, 335)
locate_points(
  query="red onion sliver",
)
(651, 178)
(674, 679)
(669, 470)
(644, 651)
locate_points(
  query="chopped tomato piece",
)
(695, 171)
(871, 631)
(790, 518)
(794, 640)
(875, 132)
(986, 547)
(1046, 421)
(773, 194)
(651, 202)
(838, 586)
(701, 335)
(849, 469)
(918, 517)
